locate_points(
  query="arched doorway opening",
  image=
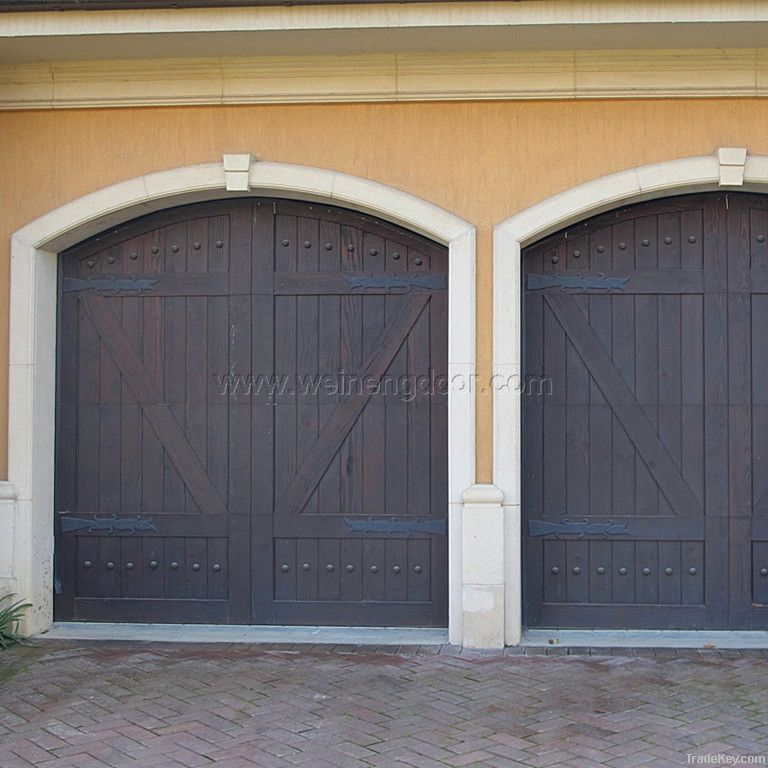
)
(243, 431)
(643, 467)
(34, 265)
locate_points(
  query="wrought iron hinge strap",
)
(576, 283)
(109, 524)
(575, 528)
(108, 284)
(399, 283)
(389, 526)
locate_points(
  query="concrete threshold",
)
(229, 633)
(645, 638)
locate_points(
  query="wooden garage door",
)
(645, 418)
(252, 420)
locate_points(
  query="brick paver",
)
(110, 705)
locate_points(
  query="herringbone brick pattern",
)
(82, 705)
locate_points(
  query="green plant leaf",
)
(10, 616)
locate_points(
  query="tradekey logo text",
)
(723, 759)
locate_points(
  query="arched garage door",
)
(252, 426)
(645, 449)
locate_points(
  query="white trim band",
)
(561, 74)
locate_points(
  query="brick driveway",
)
(168, 706)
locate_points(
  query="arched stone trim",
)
(727, 168)
(32, 354)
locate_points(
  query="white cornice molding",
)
(387, 77)
(383, 27)
(522, 14)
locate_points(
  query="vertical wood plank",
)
(196, 567)
(555, 573)
(716, 411)
(759, 561)
(132, 572)
(623, 572)
(670, 575)
(329, 360)
(196, 356)
(110, 391)
(263, 573)
(239, 448)
(88, 575)
(692, 567)
(329, 577)
(131, 417)
(647, 357)
(351, 357)
(419, 447)
(396, 458)
(577, 571)
(436, 394)
(109, 567)
(374, 566)
(153, 566)
(307, 569)
(152, 328)
(600, 413)
(740, 492)
(88, 393)
(285, 358)
(174, 563)
(600, 571)
(623, 354)
(419, 570)
(759, 318)
(555, 449)
(239, 334)
(577, 426)
(396, 569)
(308, 335)
(374, 414)
(218, 578)
(351, 587)
(285, 569)
(647, 572)
(174, 360)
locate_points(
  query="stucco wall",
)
(482, 160)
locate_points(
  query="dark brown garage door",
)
(645, 435)
(252, 421)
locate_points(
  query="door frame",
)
(727, 168)
(33, 312)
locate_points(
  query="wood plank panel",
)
(197, 397)
(675, 415)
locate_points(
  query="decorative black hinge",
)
(568, 527)
(576, 283)
(395, 283)
(108, 284)
(109, 524)
(387, 525)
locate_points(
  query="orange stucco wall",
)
(482, 160)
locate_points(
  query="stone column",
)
(483, 567)
(8, 574)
